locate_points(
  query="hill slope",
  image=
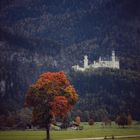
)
(52, 35)
(108, 92)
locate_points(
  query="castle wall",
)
(113, 63)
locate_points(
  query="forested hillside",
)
(52, 35)
(108, 92)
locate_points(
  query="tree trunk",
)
(48, 132)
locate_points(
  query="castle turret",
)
(115, 63)
(113, 56)
(85, 61)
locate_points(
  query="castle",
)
(113, 63)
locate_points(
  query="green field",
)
(89, 131)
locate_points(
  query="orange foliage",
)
(54, 82)
(53, 89)
(129, 120)
(60, 106)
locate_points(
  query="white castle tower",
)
(85, 61)
(113, 59)
(113, 63)
(113, 56)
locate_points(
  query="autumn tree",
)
(129, 120)
(52, 95)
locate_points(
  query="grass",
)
(130, 139)
(89, 131)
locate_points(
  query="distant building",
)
(112, 63)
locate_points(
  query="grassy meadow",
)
(89, 131)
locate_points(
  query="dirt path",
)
(107, 137)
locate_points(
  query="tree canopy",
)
(52, 95)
